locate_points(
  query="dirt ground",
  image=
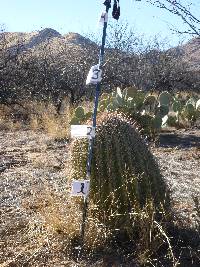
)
(31, 163)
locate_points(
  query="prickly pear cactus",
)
(165, 98)
(124, 171)
(80, 115)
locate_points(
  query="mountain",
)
(41, 37)
(18, 41)
(47, 64)
(76, 38)
(190, 53)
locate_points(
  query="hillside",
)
(190, 52)
(45, 64)
(34, 39)
(32, 62)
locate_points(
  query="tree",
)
(75, 63)
(131, 61)
(178, 8)
(55, 68)
(50, 69)
(9, 67)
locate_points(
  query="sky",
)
(81, 16)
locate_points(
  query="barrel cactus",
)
(124, 173)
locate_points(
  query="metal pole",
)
(91, 141)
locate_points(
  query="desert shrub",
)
(37, 115)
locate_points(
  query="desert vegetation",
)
(144, 203)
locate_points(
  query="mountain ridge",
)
(189, 52)
(35, 38)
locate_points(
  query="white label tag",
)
(94, 75)
(80, 188)
(90, 132)
(103, 18)
(82, 131)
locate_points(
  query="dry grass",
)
(63, 217)
(46, 117)
(37, 116)
(6, 123)
(42, 223)
(42, 116)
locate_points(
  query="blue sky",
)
(82, 15)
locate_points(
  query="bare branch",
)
(175, 7)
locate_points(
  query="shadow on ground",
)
(186, 245)
(183, 140)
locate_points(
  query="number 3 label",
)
(94, 75)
